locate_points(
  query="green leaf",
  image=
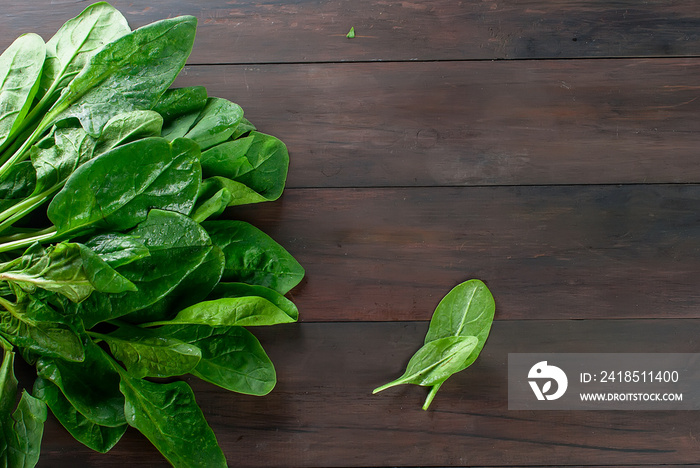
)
(351, 33)
(115, 191)
(467, 310)
(233, 290)
(433, 363)
(210, 204)
(168, 415)
(253, 257)
(254, 167)
(43, 338)
(26, 432)
(146, 354)
(19, 183)
(8, 388)
(57, 157)
(94, 436)
(232, 357)
(177, 247)
(117, 249)
(193, 287)
(127, 127)
(243, 129)
(74, 44)
(101, 275)
(216, 123)
(176, 102)
(20, 70)
(130, 73)
(238, 311)
(91, 386)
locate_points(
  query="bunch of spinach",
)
(115, 272)
(456, 335)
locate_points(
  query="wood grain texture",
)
(322, 412)
(313, 31)
(566, 252)
(474, 123)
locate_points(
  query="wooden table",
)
(549, 148)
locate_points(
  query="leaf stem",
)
(25, 242)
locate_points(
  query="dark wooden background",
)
(549, 148)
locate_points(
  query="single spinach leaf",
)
(26, 432)
(194, 287)
(20, 70)
(216, 123)
(253, 257)
(234, 290)
(177, 246)
(210, 204)
(66, 268)
(91, 386)
(232, 357)
(255, 167)
(146, 354)
(180, 101)
(434, 362)
(71, 48)
(168, 415)
(117, 249)
(94, 436)
(239, 311)
(127, 127)
(227, 159)
(8, 387)
(467, 310)
(18, 184)
(57, 157)
(243, 129)
(43, 338)
(129, 73)
(116, 191)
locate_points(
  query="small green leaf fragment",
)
(351, 33)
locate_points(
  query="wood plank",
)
(312, 31)
(474, 123)
(322, 412)
(545, 252)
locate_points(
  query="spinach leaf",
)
(127, 127)
(117, 249)
(66, 268)
(466, 314)
(26, 432)
(20, 432)
(43, 338)
(114, 191)
(20, 69)
(180, 101)
(211, 201)
(57, 157)
(177, 246)
(194, 287)
(216, 123)
(253, 257)
(253, 168)
(94, 436)
(232, 357)
(238, 311)
(91, 386)
(129, 73)
(233, 290)
(168, 415)
(71, 48)
(435, 361)
(468, 309)
(146, 354)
